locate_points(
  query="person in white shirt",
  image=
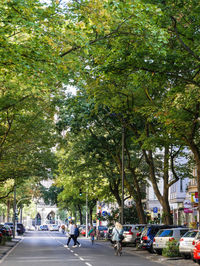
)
(71, 234)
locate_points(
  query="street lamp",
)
(122, 203)
(86, 218)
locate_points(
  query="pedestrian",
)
(92, 234)
(76, 235)
(117, 236)
(71, 234)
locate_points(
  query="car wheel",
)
(158, 252)
(186, 256)
(151, 250)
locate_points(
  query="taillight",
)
(154, 240)
(181, 239)
(138, 234)
(145, 238)
(171, 239)
(193, 243)
(130, 233)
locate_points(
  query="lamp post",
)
(86, 215)
(122, 203)
(86, 232)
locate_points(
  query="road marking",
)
(75, 254)
(88, 264)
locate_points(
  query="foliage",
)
(130, 216)
(171, 249)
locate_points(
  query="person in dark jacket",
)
(76, 235)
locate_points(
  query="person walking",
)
(92, 234)
(71, 234)
(76, 235)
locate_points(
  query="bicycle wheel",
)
(118, 249)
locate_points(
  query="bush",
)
(3, 240)
(171, 250)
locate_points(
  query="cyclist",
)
(117, 237)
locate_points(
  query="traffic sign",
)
(104, 213)
(155, 209)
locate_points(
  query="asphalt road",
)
(47, 249)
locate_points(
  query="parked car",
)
(165, 235)
(20, 229)
(148, 234)
(196, 239)
(8, 230)
(82, 230)
(10, 224)
(138, 236)
(196, 252)
(3, 230)
(1, 236)
(53, 227)
(43, 227)
(109, 233)
(102, 231)
(130, 233)
(186, 243)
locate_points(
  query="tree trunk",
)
(8, 211)
(162, 199)
(114, 189)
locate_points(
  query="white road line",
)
(75, 254)
(88, 264)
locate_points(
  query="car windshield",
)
(144, 232)
(159, 232)
(166, 233)
(127, 228)
(190, 234)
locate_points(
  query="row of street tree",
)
(135, 66)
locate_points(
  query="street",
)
(47, 248)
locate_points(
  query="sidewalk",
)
(4, 249)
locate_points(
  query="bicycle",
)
(118, 248)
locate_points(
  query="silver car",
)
(186, 243)
(130, 233)
(164, 235)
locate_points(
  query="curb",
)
(8, 248)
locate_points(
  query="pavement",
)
(4, 249)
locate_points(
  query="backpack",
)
(121, 237)
(76, 232)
